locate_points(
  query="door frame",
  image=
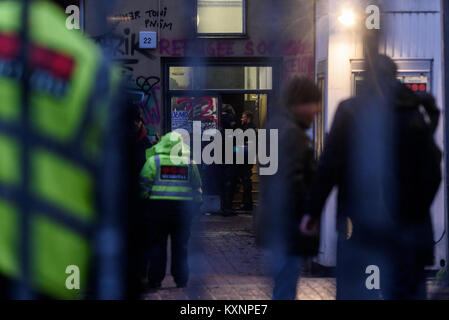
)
(272, 95)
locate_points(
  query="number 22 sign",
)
(147, 40)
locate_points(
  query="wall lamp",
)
(347, 17)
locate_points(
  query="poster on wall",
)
(180, 120)
(185, 110)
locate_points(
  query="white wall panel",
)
(411, 35)
(411, 5)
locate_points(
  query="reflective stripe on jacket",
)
(158, 188)
(170, 177)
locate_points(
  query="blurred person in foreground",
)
(63, 174)
(381, 155)
(171, 186)
(283, 196)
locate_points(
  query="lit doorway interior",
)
(199, 92)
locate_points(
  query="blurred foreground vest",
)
(47, 224)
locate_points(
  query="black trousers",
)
(407, 276)
(246, 173)
(233, 176)
(176, 226)
(353, 258)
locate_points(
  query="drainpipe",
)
(445, 10)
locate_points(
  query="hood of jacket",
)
(167, 143)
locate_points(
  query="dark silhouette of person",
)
(283, 196)
(381, 156)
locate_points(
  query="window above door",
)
(220, 18)
(221, 78)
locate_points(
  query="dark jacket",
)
(283, 195)
(393, 205)
(248, 126)
(418, 172)
(142, 144)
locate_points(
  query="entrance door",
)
(205, 93)
(232, 108)
(255, 103)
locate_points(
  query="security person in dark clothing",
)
(171, 184)
(237, 174)
(228, 121)
(241, 173)
(246, 169)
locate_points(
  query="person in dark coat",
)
(228, 176)
(381, 155)
(240, 174)
(141, 140)
(283, 196)
(246, 170)
(138, 142)
(418, 177)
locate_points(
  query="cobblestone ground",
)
(226, 264)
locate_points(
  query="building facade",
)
(197, 56)
(206, 54)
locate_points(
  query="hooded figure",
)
(171, 186)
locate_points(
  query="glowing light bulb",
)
(347, 18)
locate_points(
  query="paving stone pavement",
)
(226, 264)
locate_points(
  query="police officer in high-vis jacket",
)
(171, 185)
(59, 218)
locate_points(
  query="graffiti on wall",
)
(226, 48)
(149, 18)
(124, 43)
(144, 92)
(298, 54)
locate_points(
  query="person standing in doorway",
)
(228, 120)
(246, 169)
